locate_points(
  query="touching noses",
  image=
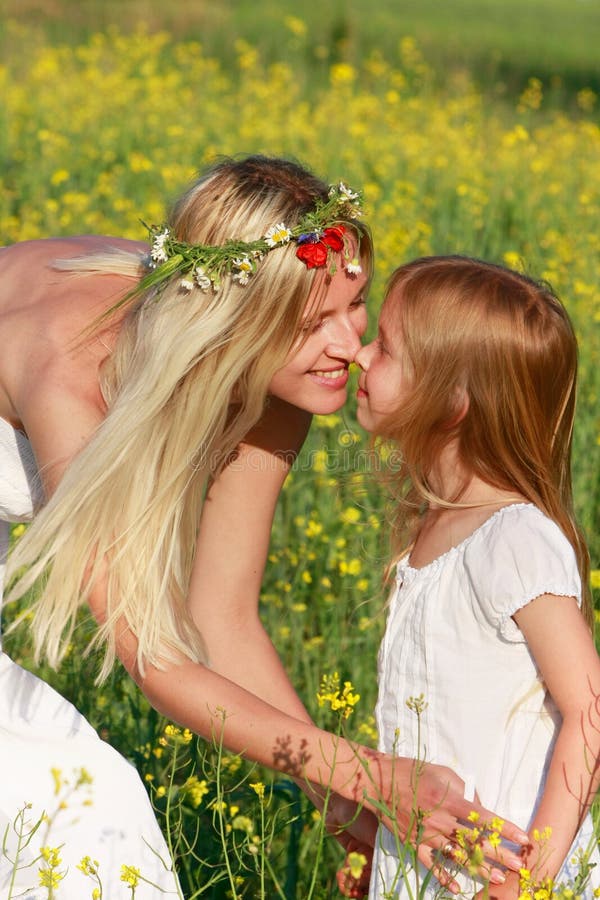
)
(363, 356)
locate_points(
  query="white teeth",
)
(336, 374)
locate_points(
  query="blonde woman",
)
(151, 404)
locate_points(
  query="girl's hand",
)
(354, 876)
(510, 890)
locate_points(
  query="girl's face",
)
(315, 374)
(384, 377)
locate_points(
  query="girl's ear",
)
(460, 407)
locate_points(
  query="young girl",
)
(472, 376)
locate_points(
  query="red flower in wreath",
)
(314, 250)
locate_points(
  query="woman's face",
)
(383, 381)
(315, 374)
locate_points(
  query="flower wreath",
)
(318, 235)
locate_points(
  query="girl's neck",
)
(443, 527)
(456, 483)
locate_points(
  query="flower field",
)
(95, 136)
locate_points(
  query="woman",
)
(143, 386)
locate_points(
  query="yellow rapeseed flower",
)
(356, 863)
(259, 789)
(130, 875)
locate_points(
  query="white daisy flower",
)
(158, 252)
(186, 285)
(202, 279)
(278, 234)
(346, 192)
(353, 267)
(245, 268)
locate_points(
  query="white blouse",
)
(451, 638)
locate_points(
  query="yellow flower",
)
(195, 789)
(353, 567)
(49, 878)
(595, 578)
(313, 529)
(58, 780)
(243, 823)
(350, 515)
(342, 73)
(259, 789)
(494, 839)
(130, 875)
(339, 699)
(356, 863)
(88, 866)
(296, 26)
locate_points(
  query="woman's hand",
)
(350, 823)
(413, 798)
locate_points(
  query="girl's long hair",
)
(187, 380)
(506, 341)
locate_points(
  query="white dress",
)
(109, 820)
(450, 637)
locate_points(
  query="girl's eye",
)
(380, 345)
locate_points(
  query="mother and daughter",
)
(151, 404)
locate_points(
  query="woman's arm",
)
(231, 555)
(564, 651)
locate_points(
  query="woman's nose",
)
(346, 342)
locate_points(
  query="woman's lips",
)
(332, 378)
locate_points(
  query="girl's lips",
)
(331, 378)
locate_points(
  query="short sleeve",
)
(517, 556)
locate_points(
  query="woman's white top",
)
(109, 819)
(450, 636)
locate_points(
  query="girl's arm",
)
(564, 651)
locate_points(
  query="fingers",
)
(434, 859)
(447, 858)
(507, 830)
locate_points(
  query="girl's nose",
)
(363, 356)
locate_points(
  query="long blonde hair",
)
(187, 380)
(506, 340)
